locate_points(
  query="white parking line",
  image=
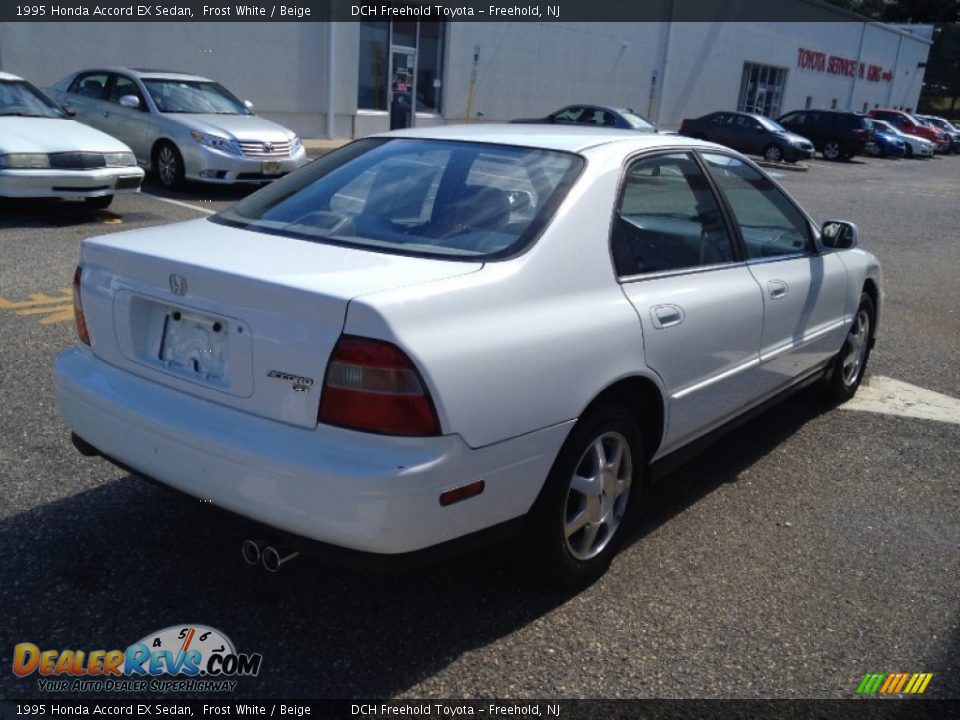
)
(893, 397)
(180, 203)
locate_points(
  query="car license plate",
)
(195, 344)
(271, 167)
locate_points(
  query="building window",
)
(416, 51)
(866, 106)
(374, 65)
(833, 104)
(761, 89)
(808, 102)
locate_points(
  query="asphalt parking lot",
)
(812, 546)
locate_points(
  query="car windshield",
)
(193, 96)
(637, 122)
(429, 198)
(884, 127)
(769, 124)
(18, 97)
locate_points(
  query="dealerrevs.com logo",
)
(180, 658)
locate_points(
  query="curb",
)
(791, 167)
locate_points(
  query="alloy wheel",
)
(167, 166)
(857, 345)
(773, 154)
(597, 495)
(831, 151)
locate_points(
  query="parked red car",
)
(905, 122)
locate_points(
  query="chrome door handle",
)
(665, 316)
(777, 288)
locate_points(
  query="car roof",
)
(145, 74)
(8, 76)
(567, 138)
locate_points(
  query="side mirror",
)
(70, 110)
(130, 101)
(839, 234)
(248, 105)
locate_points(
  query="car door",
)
(743, 135)
(86, 94)
(804, 290)
(701, 313)
(718, 129)
(127, 124)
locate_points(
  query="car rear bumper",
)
(352, 490)
(203, 164)
(70, 183)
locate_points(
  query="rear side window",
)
(668, 218)
(90, 85)
(770, 224)
(418, 197)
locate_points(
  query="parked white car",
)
(459, 333)
(916, 145)
(43, 153)
(182, 126)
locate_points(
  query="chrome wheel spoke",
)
(575, 523)
(589, 537)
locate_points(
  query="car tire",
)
(168, 165)
(773, 153)
(99, 203)
(589, 499)
(850, 364)
(909, 152)
(831, 150)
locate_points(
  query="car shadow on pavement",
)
(56, 213)
(102, 568)
(723, 462)
(199, 192)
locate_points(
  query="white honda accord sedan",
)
(435, 338)
(43, 153)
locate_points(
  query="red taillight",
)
(78, 317)
(372, 385)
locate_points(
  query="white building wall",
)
(525, 69)
(280, 67)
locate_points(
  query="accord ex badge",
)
(178, 284)
(300, 384)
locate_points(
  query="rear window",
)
(417, 197)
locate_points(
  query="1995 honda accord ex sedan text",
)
(438, 337)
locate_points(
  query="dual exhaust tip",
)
(272, 557)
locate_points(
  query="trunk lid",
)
(241, 318)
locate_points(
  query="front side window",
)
(124, 86)
(419, 197)
(193, 96)
(668, 218)
(770, 224)
(569, 115)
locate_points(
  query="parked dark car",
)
(594, 115)
(837, 135)
(749, 133)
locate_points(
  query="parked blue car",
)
(887, 145)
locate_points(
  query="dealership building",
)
(352, 77)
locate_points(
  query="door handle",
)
(777, 288)
(665, 316)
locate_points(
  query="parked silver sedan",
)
(183, 127)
